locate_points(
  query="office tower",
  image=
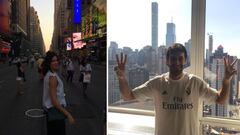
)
(5, 13)
(210, 49)
(162, 53)
(113, 85)
(36, 37)
(112, 50)
(20, 16)
(217, 67)
(188, 45)
(137, 76)
(154, 25)
(170, 36)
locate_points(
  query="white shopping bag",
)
(87, 78)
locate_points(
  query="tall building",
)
(20, 16)
(61, 13)
(112, 50)
(5, 13)
(162, 57)
(137, 76)
(154, 25)
(20, 27)
(210, 43)
(188, 45)
(92, 27)
(113, 84)
(149, 58)
(238, 78)
(170, 36)
(133, 57)
(209, 53)
(218, 68)
(36, 38)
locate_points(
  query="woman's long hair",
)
(47, 61)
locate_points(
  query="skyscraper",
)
(161, 60)
(170, 36)
(137, 76)
(20, 16)
(210, 43)
(154, 25)
(5, 12)
(112, 50)
(36, 38)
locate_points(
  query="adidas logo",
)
(188, 91)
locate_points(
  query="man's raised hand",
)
(229, 68)
(120, 68)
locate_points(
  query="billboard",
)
(77, 11)
(68, 43)
(77, 40)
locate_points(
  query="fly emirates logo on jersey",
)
(177, 104)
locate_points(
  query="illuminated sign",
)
(77, 40)
(77, 11)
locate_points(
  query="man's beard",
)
(176, 70)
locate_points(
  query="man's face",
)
(176, 62)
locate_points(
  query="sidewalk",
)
(89, 113)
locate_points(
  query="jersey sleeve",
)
(145, 91)
(206, 92)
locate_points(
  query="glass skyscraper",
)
(171, 36)
(154, 25)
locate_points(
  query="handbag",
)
(87, 78)
(54, 114)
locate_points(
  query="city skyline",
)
(46, 19)
(137, 22)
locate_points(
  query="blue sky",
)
(45, 10)
(129, 22)
(223, 21)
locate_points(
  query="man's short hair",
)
(176, 48)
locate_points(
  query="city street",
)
(17, 111)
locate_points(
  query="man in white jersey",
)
(176, 94)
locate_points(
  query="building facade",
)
(154, 25)
(170, 36)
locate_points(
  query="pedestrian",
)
(54, 102)
(64, 66)
(176, 94)
(85, 75)
(70, 70)
(39, 65)
(20, 77)
(32, 61)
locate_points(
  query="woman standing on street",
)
(54, 102)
